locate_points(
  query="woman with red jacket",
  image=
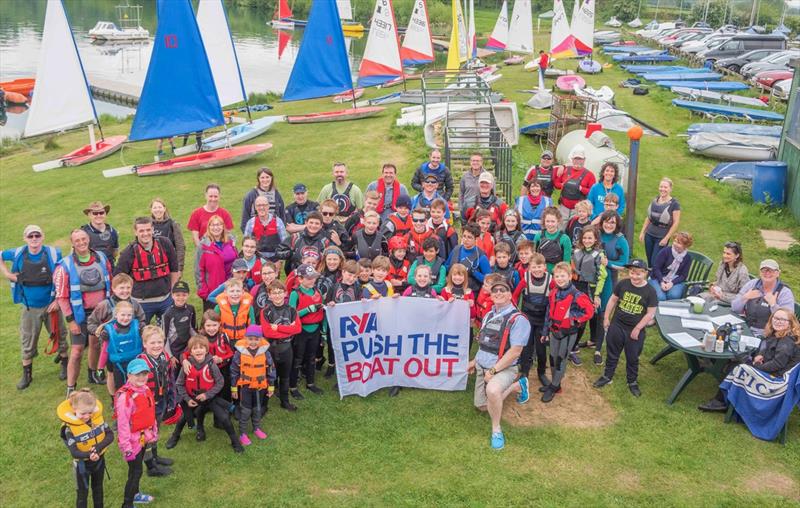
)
(217, 253)
(280, 323)
(574, 182)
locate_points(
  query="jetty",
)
(115, 92)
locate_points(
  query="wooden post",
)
(635, 134)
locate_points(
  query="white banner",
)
(412, 342)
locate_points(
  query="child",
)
(122, 341)
(260, 293)
(345, 290)
(368, 242)
(398, 269)
(240, 272)
(86, 436)
(307, 300)
(198, 386)
(503, 265)
(179, 322)
(581, 219)
(422, 287)
(525, 251)
(252, 377)
(567, 310)
(235, 309)
(485, 241)
(160, 383)
(442, 229)
(249, 255)
(121, 288)
(625, 331)
(330, 269)
(457, 287)
(469, 255)
(308, 256)
(552, 243)
(430, 257)
(364, 271)
(510, 233)
(377, 287)
(419, 232)
(588, 265)
(610, 203)
(533, 297)
(483, 302)
(398, 223)
(279, 324)
(135, 410)
(220, 347)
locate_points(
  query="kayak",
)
(239, 134)
(682, 76)
(202, 160)
(569, 83)
(21, 85)
(729, 111)
(336, 116)
(720, 86)
(84, 154)
(736, 128)
(348, 96)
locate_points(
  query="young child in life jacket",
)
(240, 272)
(483, 300)
(551, 242)
(249, 254)
(179, 323)
(579, 221)
(473, 258)
(532, 295)
(279, 324)
(252, 381)
(588, 265)
(122, 342)
(398, 223)
(525, 251)
(307, 300)
(198, 387)
(346, 289)
(330, 269)
(420, 231)
(310, 256)
(235, 309)
(135, 411)
(86, 436)
(364, 271)
(378, 286)
(422, 286)
(503, 266)
(160, 380)
(430, 257)
(398, 267)
(485, 241)
(442, 228)
(121, 288)
(567, 310)
(260, 292)
(220, 347)
(457, 288)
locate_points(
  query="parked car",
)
(769, 78)
(776, 61)
(781, 89)
(742, 43)
(704, 47)
(735, 64)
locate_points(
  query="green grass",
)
(421, 448)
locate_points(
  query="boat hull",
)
(22, 86)
(348, 96)
(336, 116)
(203, 160)
(103, 148)
(240, 133)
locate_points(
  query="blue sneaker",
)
(498, 441)
(140, 498)
(524, 395)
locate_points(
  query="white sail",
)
(213, 24)
(381, 61)
(345, 9)
(499, 37)
(583, 25)
(561, 29)
(575, 8)
(472, 41)
(61, 98)
(417, 44)
(520, 28)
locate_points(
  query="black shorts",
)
(82, 339)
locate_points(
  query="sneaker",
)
(524, 395)
(100, 376)
(288, 406)
(260, 434)
(544, 388)
(498, 441)
(330, 371)
(201, 435)
(601, 382)
(394, 391)
(713, 406)
(315, 389)
(237, 447)
(70, 389)
(598, 358)
(550, 393)
(296, 394)
(634, 388)
(245, 440)
(163, 461)
(575, 359)
(158, 471)
(140, 498)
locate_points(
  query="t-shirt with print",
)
(633, 302)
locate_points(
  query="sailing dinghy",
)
(499, 38)
(283, 16)
(417, 48)
(381, 62)
(179, 96)
(520, 28)
(61, 96)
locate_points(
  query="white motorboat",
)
(108, 31)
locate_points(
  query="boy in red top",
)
(525, 251)
(441, 228)
(280, 323)
(419, 233)
(308, 256)
(483, 302)
(398, 264)
(574, 183)
(485, 241)
(307, 300)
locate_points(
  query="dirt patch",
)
(627, 481)
(771, 482)
(579, 405)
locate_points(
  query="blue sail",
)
(179, 95)
(321, 67)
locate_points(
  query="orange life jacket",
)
(234, 326)
(253, 367)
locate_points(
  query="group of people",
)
(537, 274)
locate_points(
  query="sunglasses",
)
(34, 235)
(419, 221)
(500, 289)
(101, 212)
(328, 214)
(547, 158)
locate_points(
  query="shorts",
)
(505, 378)
(83, 338)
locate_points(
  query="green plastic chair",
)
(699, 271)
(797, 310)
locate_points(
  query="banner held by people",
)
(411, 342)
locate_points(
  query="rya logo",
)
(358, 325)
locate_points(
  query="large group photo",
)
(399, 253)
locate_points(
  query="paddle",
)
(121, 171)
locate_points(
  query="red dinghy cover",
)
(203, 160)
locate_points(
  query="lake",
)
(256, 45)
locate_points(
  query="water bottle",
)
(735, 339)
(709, 341)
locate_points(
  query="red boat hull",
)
(349, 95)
(22, 85)
(203, 160)
(336, 116)
(84, 154)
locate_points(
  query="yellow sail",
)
(454, 52)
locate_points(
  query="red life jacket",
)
(255, 272)
(561, 311)
(267, 237)
(415, 240)
(234, 326)
(401, 227)
(157, 387)
(399, 272)
(144, 408)
(222, 347)
(305, 301)
(149, 265)
(200, 380)
(382, 191)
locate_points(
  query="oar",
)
(122, 171)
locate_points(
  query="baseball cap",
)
(181, 287)
(502, 282)
(32, 228)
(637, 263)
(309, 252)
(403, 201)
(769, 263)
(240, 265)
(486, 177)
(430, 178)
(547, 153)
(254, 331)
(307, 271)
(577, 151)
(137, 365)
(300, 187)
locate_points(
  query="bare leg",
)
(94, 352)
(74, 366)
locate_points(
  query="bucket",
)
(769, 182)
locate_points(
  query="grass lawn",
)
(421, 448)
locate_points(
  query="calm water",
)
(21, 24)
